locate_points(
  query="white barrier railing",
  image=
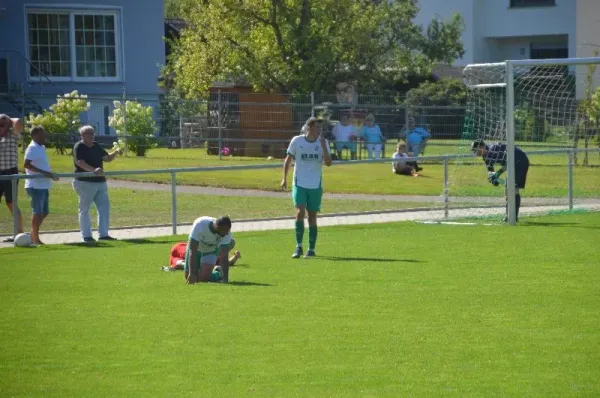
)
(173, 171)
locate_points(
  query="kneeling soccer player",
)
(209, 239)
(177, 256)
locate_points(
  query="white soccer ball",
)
(23, 240)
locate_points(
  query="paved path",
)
(150, 186)
(286, 223)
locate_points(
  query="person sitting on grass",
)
(177, 256)
(403, 167)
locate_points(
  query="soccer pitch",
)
(386, 310)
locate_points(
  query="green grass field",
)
(386, 310)
(130, 207)
(547, 178)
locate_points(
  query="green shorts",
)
(306, 197)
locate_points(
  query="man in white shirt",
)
(309, 151)
(36, 163)
(210, 237)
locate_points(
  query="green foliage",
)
(299, 46)
(445, 92)
(135, 121)
(64, 117)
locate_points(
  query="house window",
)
(73, 45)
(532, 3)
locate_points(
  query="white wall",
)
(587, 39)
(443, 9)
(494, 19)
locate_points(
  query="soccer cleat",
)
(167, 268)
(298, 252)
(310, 253)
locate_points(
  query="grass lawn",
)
(547, 176)
(131, 207)
(387, 310)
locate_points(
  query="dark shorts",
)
(405, 171)
(39, 200)
(521, 169)
(6, 185)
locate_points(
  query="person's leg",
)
(370, 150)
(86, 192)
(313, 207)
(416, 151)
(378, 151)
(37, 212)
(352, 148)
(8, 196)
(102, 203)
(300, 200)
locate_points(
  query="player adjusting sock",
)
(299, 232)
(312, 237)
(517, 204)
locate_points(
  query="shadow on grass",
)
(371, 259)
(247, 283)
(557, 224)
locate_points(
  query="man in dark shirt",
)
(88, 156)
(496, 154)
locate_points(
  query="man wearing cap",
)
(496, 154)
(309, 151)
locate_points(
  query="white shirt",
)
(308, 165)
(343, 133)
(36, 153)
(208, 241)
(398, 164)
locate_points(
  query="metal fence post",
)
(219, 119)
(174, 201)
(312, 104)
(16, 211)
(570, 170)
(125, 120)
(446, 193)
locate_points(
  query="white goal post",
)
(499, 78)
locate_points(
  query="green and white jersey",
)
(208, 241)
(308, 168)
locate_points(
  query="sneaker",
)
(166, 268)
(9, 240)
(89, 239)
(298, 252)
(310, 253)
(106, 238)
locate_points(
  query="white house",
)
(497, 30)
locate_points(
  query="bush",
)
(63, 118)
(135, 121)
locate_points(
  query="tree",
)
(63, 118)
(589, 111)
(299, 46)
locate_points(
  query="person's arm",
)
(192, 271)
(224, 262)
(286, 169)
(110, 156)
(326, 155)
(291, 153)
(29, 165)
(83, 165)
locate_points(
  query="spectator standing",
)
(89, 156)
(38, 189)
(9, 159)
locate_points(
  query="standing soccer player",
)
(309, 150)
(496, 154)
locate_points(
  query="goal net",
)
(542, 109)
